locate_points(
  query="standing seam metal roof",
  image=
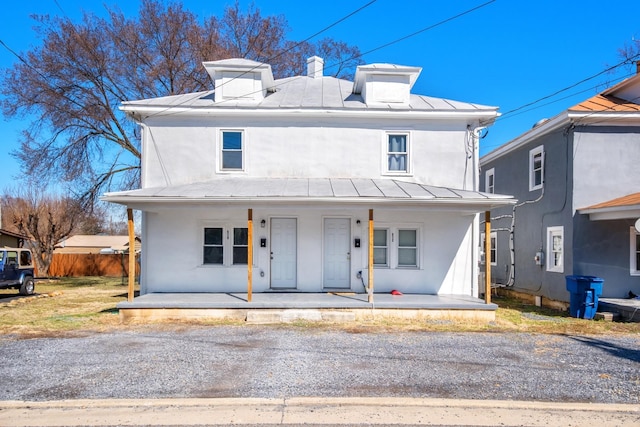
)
(307, 92)
(305, 189)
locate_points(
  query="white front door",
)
(283, 253)
(337, 255)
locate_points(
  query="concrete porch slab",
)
(278, 307)
(627, 308)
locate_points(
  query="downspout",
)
(474, 135)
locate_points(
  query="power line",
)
(415, 33)
(430, 27)
(561, 99)
(626, 61)
(280, 54)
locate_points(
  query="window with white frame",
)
(555, 249)
(395, 247)
(213, 252)
(232, 150)
(398, 152)
(634, 259)
(407, 248)
(240, 245)
(489, 181)
(536, 168)
(225, 246)
(493, 248)
(381, 247)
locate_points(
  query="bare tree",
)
(46, 220)
(72, 84)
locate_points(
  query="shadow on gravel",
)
(613, 349)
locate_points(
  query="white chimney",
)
(315, 67)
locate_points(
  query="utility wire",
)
(625, 62)
(616, 80)
(430, 27)
(276, 56)
(415, 33)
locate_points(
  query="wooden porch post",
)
(132, 254)
(370, 287)
(250, 255)
(487, 257)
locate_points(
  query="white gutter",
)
(238, 111)
(485, 203)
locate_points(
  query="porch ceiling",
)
(310, 190)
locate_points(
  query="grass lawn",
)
(88, 304)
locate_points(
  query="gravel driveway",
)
(284, 362)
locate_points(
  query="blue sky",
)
(508, 53)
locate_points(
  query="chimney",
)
(315, 67)
(637, 67)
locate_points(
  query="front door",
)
(337, 255)
(283, 253)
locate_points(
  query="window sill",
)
(398, 173)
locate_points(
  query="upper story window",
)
(489, 181)
(634, 260)
(232, 150)
(555, 249)
(398, 153)
(536, 168)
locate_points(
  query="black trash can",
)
(584, 291)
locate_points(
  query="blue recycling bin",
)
(584, 291)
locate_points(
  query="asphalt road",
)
(289, 362)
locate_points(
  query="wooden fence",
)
(79, 265)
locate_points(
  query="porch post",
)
(132, 254)
(250, 255)
(487, 257)
(370, 287)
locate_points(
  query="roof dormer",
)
(385, 83)
(240, 79)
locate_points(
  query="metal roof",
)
(304, 92)
(625, 207)
(296, 190)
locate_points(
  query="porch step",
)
(280, 316)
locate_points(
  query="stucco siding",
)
(534, 213)
(605, 164)
(173, 239)
(182, 152)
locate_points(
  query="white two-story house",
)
(309, 184)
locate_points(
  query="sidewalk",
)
(313, 411)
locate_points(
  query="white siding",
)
(172, 240)
(182, 152)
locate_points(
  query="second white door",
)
(337, 255)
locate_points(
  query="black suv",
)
(16, 270)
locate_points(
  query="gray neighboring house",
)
(576, 177)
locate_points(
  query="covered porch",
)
(276, 307)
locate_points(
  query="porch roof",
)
(625, 207)
(310, 190)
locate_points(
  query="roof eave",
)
(612, 213)
(472, 205)
(485, 116)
